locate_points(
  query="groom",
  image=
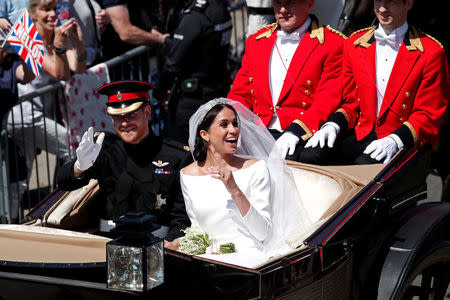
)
(136, 170)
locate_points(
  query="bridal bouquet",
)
(195, 242)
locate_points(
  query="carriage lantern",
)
(135, 260)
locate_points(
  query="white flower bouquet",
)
(195, 242)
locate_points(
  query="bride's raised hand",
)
(226, 176)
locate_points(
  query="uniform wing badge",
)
(160, 163)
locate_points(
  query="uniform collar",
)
(146, 149)
(411, 38)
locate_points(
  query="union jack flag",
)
(27, 42)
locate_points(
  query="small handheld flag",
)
(26, 41)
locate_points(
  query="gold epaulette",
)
(336, 31)
(359, 30)
(434, 39)
(270, 29)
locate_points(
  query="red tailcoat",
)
(416, 94)
(312, 89)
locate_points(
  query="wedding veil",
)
(288, 214)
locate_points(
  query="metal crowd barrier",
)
(139, 63)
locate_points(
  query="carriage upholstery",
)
(324, 190)
(31, 244)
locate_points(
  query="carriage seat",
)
(324, 190)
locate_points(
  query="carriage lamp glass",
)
(135, 260)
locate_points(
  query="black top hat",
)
(125, 97)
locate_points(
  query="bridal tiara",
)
(207, 107)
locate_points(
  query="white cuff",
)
(397, 140)
(336, 126)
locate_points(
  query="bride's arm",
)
(254, 209)
(258, 219)
(188, 205)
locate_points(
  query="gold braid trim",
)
(271, 28)
(413, 132)
(434, 39)
(364, 39)
(336, 31)
(308, 133)
(357, 31)
(342, 111)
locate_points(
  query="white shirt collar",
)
(398, 32)
(295, 35)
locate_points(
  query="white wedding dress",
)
(211, 208)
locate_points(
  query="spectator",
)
(10, 11)
(31, 122)
(395, 92)
(195, 67)
(12, 71)
(291, 75)
(126, 20)
(91, 18)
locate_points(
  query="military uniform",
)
(412, 107)
(416, 95)
(312, 89)
(195, 62)
(133, 176)
(142, 177)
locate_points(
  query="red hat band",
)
(127, 96)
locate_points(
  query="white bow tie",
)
(285, 37)
(384, 39)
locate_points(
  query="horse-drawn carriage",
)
(370, 240)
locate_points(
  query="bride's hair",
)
(201, 147)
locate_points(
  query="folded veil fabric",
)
(255, 141)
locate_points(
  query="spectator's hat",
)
(125, 97)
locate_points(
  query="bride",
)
(239, 189)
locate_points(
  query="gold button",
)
(302, 113)
(252, 92)
(257, 114)
(359, 99)
(314, 130)
(306, 92)
(401, 119)
(406, 94)
(356, 87)
(378, 123)
(308, 82)
(421, 143)
(404, 106)
(359, 124)
(250, 79)
(303, 104)
(277, 107)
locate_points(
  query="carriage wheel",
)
(430, 276)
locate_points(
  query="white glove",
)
(328, 134)
(382, 148)
(88, 151)
(287, 142)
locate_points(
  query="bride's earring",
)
(206, 139)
